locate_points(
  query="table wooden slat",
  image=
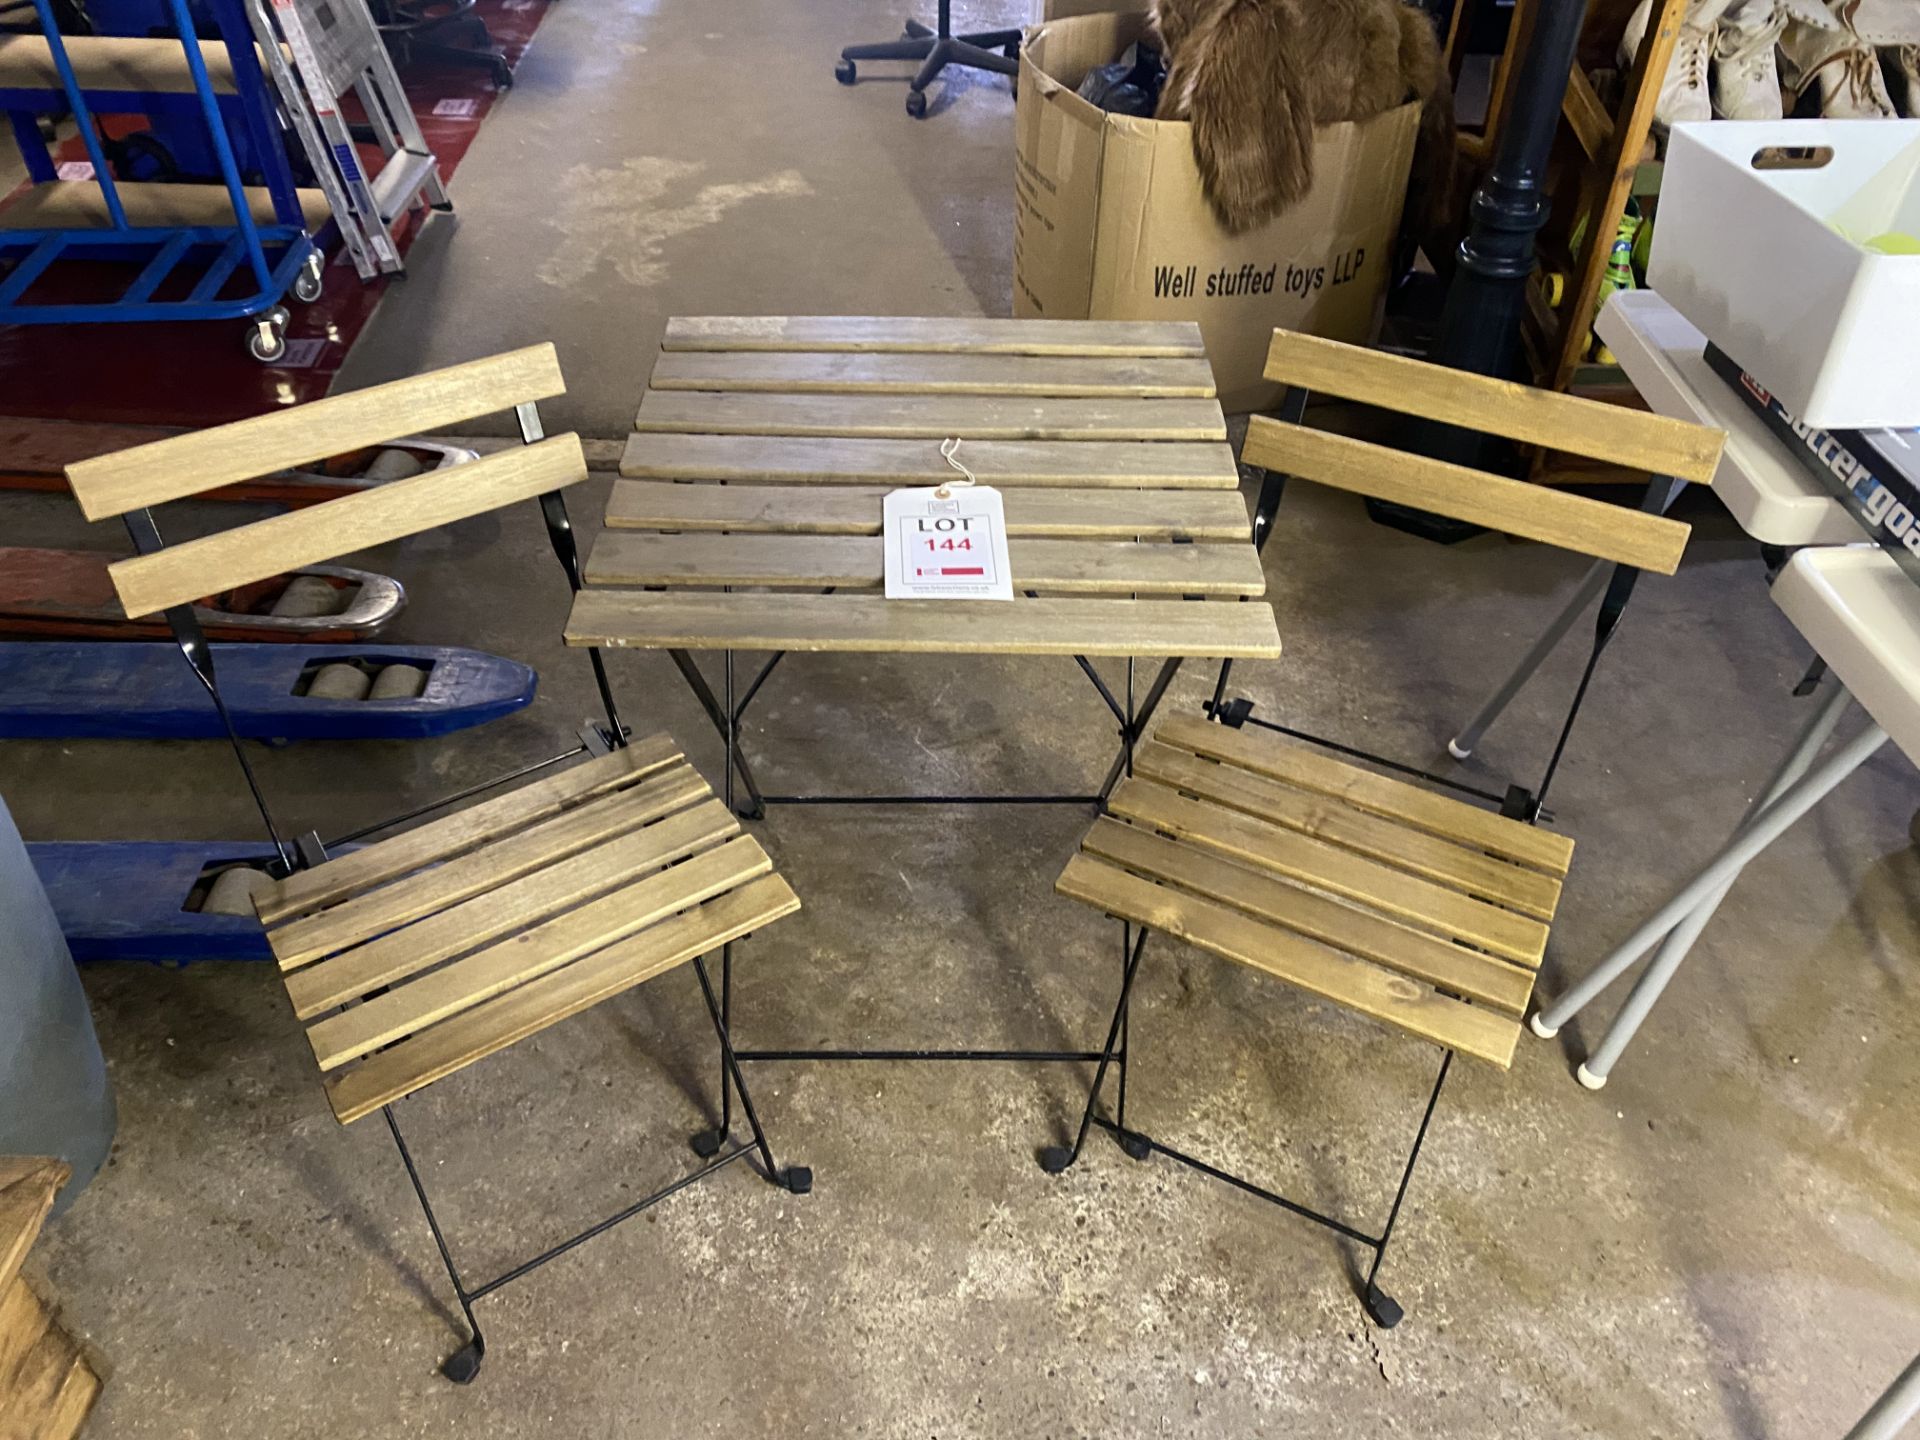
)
(840, 460)
(935, 334)
(1199, 515)
(855, 562)
(837, 373)
(980, 417)
(1051, 626)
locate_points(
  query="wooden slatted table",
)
(749, 515)
(749, 512)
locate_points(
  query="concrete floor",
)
(1724, 1243)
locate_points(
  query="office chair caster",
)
(917, 104)
(844, 72)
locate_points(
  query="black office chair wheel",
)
(845, 73)
(1011, 50)
(917, 104)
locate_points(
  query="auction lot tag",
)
(946, 543)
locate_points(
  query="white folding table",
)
(1861, 614)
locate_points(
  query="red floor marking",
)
(196, 374)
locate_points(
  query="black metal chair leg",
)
(461, 1366)
(1056, 1158)
(1381, 1307)
(707, 1143)
(797, 1178)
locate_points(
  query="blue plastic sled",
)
(133, 690)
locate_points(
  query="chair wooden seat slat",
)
(464, 829)
(1369, 791)
(839, 372)
(851, 460)
(934, 334)
(485, 870)
(971, 417)
(474, 978)
(1319, 969)
(1333, 869)
(507, 1019)
(1471, 871)
(856, 562)
(388, 959)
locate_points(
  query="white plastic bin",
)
(1764, 257)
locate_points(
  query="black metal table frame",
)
(727, 715)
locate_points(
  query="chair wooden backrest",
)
(1588, 428)
(130, 482)
(171, 578)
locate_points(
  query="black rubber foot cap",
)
(708, 1142)
(461, 1366)
(1383, 1309)
(1055, 1158)
(1135, 1146)
(799, 1179)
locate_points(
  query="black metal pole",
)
(1480, 323)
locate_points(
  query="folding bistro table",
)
(750, 517)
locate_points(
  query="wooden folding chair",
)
(411, 957)
(1372, 892)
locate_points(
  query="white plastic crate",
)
(1763, 254)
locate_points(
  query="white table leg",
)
(1796, 796)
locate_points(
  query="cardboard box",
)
(1110, 222)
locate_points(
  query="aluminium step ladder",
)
(336, 51)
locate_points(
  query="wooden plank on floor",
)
(1344, 927)
(840, 373)
(28, 1186)
(180, 574)
(936, 334)
(835, 460)
(528, 954)
(855, 562)
(1339, 872)
(512, 908)
(1370, 989)
(301, 434)
(1204, 516)
(1471, 871)
(1301, 766)
(23, 1320)
(972, 417)
(532, 1007)
(477, 872)
(1071, 625)
(463, 830)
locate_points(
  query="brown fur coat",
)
(1256, 76)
